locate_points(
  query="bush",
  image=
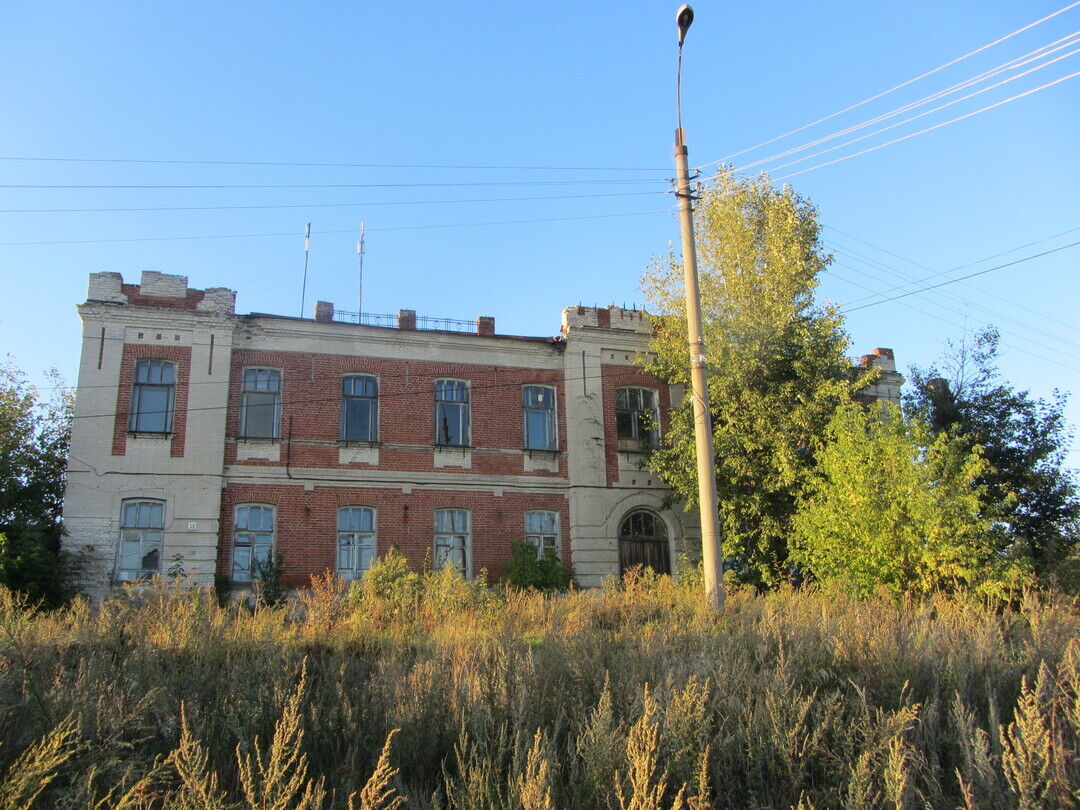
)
(525, 570)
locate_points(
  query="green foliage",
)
(526, 570)
(34, 436)
(269, 587)
(389, 579)
(1027, 490)
(777, 368)
(892, 505)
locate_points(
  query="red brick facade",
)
(306, 523)
(613, 377)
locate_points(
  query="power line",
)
(931, 128)
(939, 318)
(961, 278)
(1012, 64)
(317, 205)
(320, 233)
(951, 269)
(987, 293)
(893, 89)
(425, 166)
(219, 186)
(911, 118)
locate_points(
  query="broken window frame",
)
(260, 384)
(142, 521)
(368, 385)
(254, 534)
(357, 545)
(635, 420)
(538, 405)
(542, 531)
(453, 537)
(452, 422)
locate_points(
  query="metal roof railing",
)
(366, 318)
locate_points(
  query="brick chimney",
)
(324, 311)
(406, 319)
(485, 325)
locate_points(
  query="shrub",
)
(527, 570)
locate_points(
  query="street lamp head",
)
(683, 18)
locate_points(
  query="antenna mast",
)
(307, 248)
(360, 260)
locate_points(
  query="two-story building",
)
(206, 441)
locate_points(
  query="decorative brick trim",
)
(181, 355)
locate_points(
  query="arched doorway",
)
(643, 540)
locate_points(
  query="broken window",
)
(253, 540)
(637, 417)
(539, 404)
(452, 413)
(152, 397)
(542, 531)
(356, 541)
(141, 524)
(452, 539)
(359, 408)
(260, 404)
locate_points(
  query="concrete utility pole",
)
(706, 468)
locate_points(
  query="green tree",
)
(34, 435)
(777, 365)
(892, 504)
(1026, 488)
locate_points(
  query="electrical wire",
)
(351, 230)
(317, 205)
(1041, 315)
(424, 166)
(931, 128)
(196, 187)
(893, 89)
(961, 278)
(904, 121)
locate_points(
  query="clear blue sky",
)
(580, 86)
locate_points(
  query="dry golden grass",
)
(431, 692)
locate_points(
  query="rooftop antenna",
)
(360, 260)
(307, 249)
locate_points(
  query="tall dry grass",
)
(437, 693)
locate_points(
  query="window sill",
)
(358, 443)
(452, 446)
(150, 434)
(536, 451)
(258, 439)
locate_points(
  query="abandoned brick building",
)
(210, 440)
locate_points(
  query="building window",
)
(253, 541)
(359, 408)
(539, 404)
(141, 524)
(355, 541)
(451, 413)
(452, 539)
(260, 404)
(542, 531)
(637, 418)
(643, 540)
(152, 397)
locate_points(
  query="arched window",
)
(643, 540)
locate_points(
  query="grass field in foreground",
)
(632, 696)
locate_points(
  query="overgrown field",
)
(632, 696)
